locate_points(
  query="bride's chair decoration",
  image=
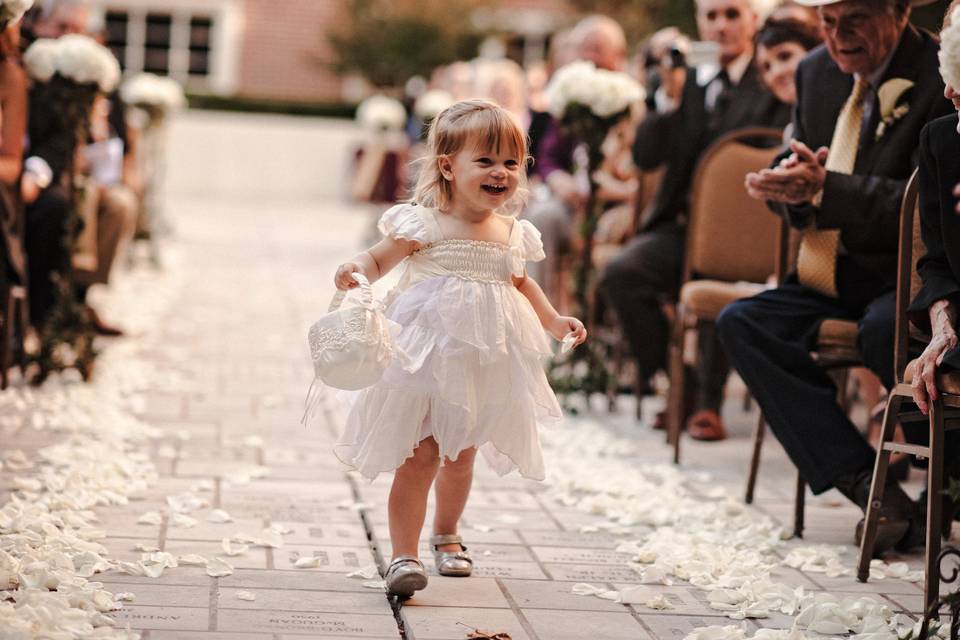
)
(13, 10)
(588, 102)
(379, 175)
(68, 73)
(152, 99)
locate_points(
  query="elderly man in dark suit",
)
(862, 101)
(691, 113)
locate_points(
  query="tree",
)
(387, 42)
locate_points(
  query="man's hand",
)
(797, 179)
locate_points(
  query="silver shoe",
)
(404, 576)
(451, 563)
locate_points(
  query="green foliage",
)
(388, 42)
(640, 18)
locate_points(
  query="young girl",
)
(471, 375)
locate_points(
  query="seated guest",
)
(45, 186)
(846, 199)
(781, 44)
(689, 116)
(934, 309)
(600, 40)
(13, 128)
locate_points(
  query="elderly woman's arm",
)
(943, 319)
(934, 308)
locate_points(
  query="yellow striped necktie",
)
(817, 262)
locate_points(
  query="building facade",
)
(272, 49)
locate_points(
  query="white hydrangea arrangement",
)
(153, 92)
(380, 113)
(950, 51)
(13, 10)
(604, 93)
(73, 57)
(431, 103)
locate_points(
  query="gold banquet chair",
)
(733, 243)
(944, 411)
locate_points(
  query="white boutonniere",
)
(892, 109)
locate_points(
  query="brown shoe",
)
(101, 327)
(706, 425)
(660, 422)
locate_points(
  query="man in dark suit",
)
(691, 113)
(862, 101)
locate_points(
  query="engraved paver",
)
(307, 623)
(445, 623)
(571, 625)
(163, 617)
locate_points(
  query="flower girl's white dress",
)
(471, 373)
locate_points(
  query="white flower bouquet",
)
(430, 104)
(588, 102)
(156, 94)
(75, 58)
(605, 93)
(380, 113)
(13, 10)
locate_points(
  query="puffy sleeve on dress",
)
(405, 222)
(531, 242)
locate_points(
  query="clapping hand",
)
(795, 180)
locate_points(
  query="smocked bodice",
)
(475, 260)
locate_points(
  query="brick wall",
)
(284, 52)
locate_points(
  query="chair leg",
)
(6, 335)
(675, 400)
(877, 486)
(24, 328)
(931, 586)
(799, 506)
(758, 434)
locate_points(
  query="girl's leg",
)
(452, 489)
(407, 507)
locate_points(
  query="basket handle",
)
(366, 293)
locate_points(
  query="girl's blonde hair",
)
(490, 127)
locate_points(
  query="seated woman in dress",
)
(934, 308)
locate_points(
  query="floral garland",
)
(588, 102)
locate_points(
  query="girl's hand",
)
(343, 280)
(565, 325)
(924, 384)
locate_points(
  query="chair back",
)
(910, 250)
(731, 236)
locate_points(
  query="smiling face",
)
(778, 66)
(729, 23)
(482, 178)
(860, 34)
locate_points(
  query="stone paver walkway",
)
(255, 271)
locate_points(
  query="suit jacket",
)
(47, 135)
(679, 138)
(865, 206)
(939, 267)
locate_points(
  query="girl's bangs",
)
(494, 131)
